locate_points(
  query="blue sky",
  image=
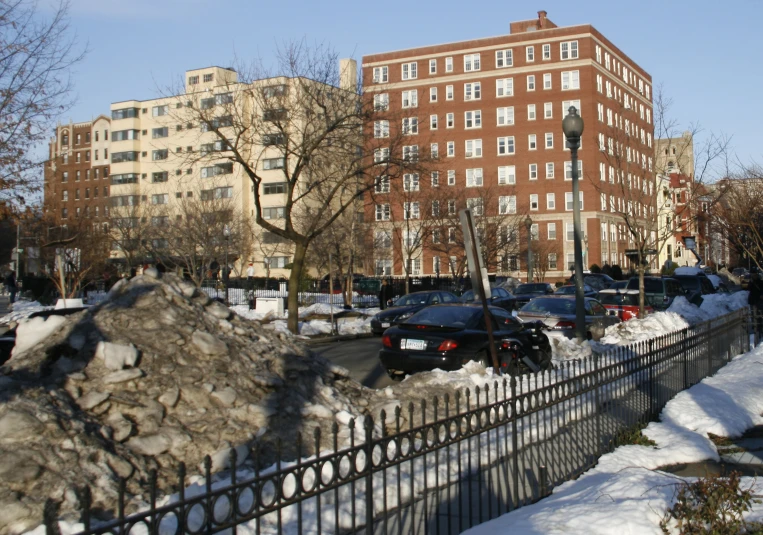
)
(707, 55)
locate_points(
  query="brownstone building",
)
(489, 112)
(77, 173)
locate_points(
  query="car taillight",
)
(387, 341)
(447, 345)
(564, 325)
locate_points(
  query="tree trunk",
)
(292, 302)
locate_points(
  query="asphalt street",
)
(361, 357)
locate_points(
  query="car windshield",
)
(447, 316)
(412, 300)
(550, 306)
(618, 299)
(531, 289)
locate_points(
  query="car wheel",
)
(483, 358)
(396, 375)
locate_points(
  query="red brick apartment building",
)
(490, 110)
(77, 173)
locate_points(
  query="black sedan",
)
(449, 336)
(407, 306)
(525, 292)
(557, 312)
(498, 298)
(569, 289)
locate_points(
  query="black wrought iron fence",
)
(445, 465)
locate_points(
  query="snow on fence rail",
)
(449, 463)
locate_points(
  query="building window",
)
(504, 58)
(534, 201)
(473, 148)
(504, 87)
(411, 182)
(451, 209)
(549, 170)
(410, 99)
(507, 175)
(160, 198)
(450, 120)
(451, 178)
(473, 119)
(448, 92)
(409, 71)
(434, 150)
(410, 126)
(549, 140)
(193, 80)
(435, 179)
(570, 80)
(546, 52)
(507, 204)
(505, 116)
(432, 66)
(449, 64)
(451, 149)
(433, 122)
(432, 94)
(532, 142)
(476, 206)
(411, 210)
(156, 177)
(533, 171)
(551, 202)
(552, 265)
(471, 62)
(531, 82)
(381, 102)
(530, 53)
(381, 129)
(474, 178)
(568, 50)
(547, 81)
(473, 91)
(158, 111)
(531, 112)
(273, 163)
(381, 184)
(411, 153)
(381, 75)
(506, 145)
(161, 154)
(273, 213)
(568, 170)
(568, 201)
(208, 77)
(381, 155)
(570, 232)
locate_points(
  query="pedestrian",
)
(10, 284)
(384, 293)
(214, 268)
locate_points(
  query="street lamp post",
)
(226, 270)
(572, 125)
(529, 225)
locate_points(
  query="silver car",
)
(557, 312)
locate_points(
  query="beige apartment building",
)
(167, 157)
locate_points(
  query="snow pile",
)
(689, 270)
(359, 320)
(624, 493)
(156, 374)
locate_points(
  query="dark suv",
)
(659, 292)
(696, 286)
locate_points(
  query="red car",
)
(623, 303)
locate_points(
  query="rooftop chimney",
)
(542, 19)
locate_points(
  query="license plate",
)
(385, 324)
(418, 345)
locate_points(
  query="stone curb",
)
(340, 338)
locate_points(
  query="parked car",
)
(623, 303)
(449, 336)
(557, 312)
(599, 281)
(695, 286)
(659, 292)
(406, 306)
(498, 298)
(569, 289)
(525, 292)
(618, 285)
(507, 283)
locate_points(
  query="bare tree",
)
(735, 212)
(37, 54)
(300, 124)
(626, 179)
(130, 232)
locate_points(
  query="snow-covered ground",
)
(313, 327)
(626, 492)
